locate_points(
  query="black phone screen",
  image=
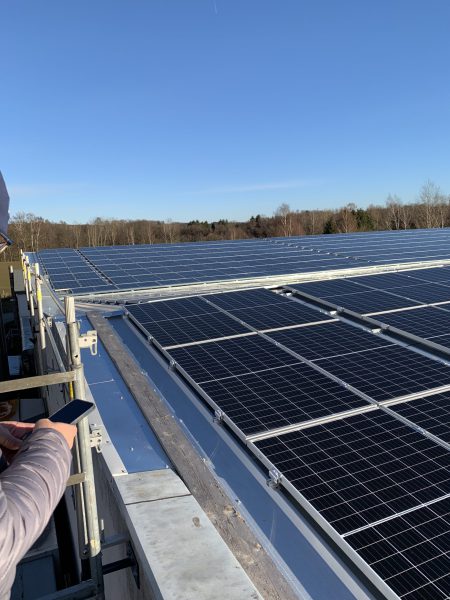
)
(72, 412)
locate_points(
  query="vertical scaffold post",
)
(40, 310)
(85, 452)
(30, 287)
(25, 276)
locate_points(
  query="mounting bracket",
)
(275, 478)
(89, 340)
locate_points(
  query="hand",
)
(68, 431)
(11, 434)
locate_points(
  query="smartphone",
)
(72, 412)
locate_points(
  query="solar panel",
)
(359, 470)
(212, 324)
(246, 299)
(385, 281)
(328, 339)
(371, 301)
(410, 552)
(170, 309)
(279, 397)
(425, 322)
(431, 413)
(263, 310)
(68, 270)
(276, 316)
(326, 288)
(160, 265)
(390, 372)
(438, 275)
(426, 292)
(217, 360)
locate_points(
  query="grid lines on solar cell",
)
(217, 360)
(263, 309)
(410, 552)
(431, 413)
(244, 299)
(371, 301)
(427, 293)
(170, 309)
(386, 373)
(437, 274)
(384, 281)
(279, 397)
(362, 469)
(425, 322)
(67, 270)
(187, 320)
(331, 287)
(328, 339)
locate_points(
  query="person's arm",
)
(30, 489)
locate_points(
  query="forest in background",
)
(33, 233)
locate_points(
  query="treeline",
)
(33, 233)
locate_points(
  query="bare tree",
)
(429, 197)
(394, 206)
(284, 214)
(169, 231)
(345, 219)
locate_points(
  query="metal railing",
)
(90, 541)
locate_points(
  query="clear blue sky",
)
(202, 109)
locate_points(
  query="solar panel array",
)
(352, 421)
(152, 266)
(68, 270)
(335, 407)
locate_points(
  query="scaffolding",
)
(90, 542)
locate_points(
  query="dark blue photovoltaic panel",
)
(384, 281)
(385, 373)
(160, 265)
(371, 301)
(331, 287)
(431, 413)
(425, 292)
(68, 270)
(245, 299)
(174, 322)
(410, 552)
(170, 309)
(361, 469)
(425, 322)
(328, 339)
(278, 397)
(216, 360)
(263, 309)
(275, 316)
(437, 274)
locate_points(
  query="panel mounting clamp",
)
(89, 340)
(218, 415)
(275, 478)
(96, 437)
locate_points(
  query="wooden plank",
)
(26, 383)
(200, 481)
